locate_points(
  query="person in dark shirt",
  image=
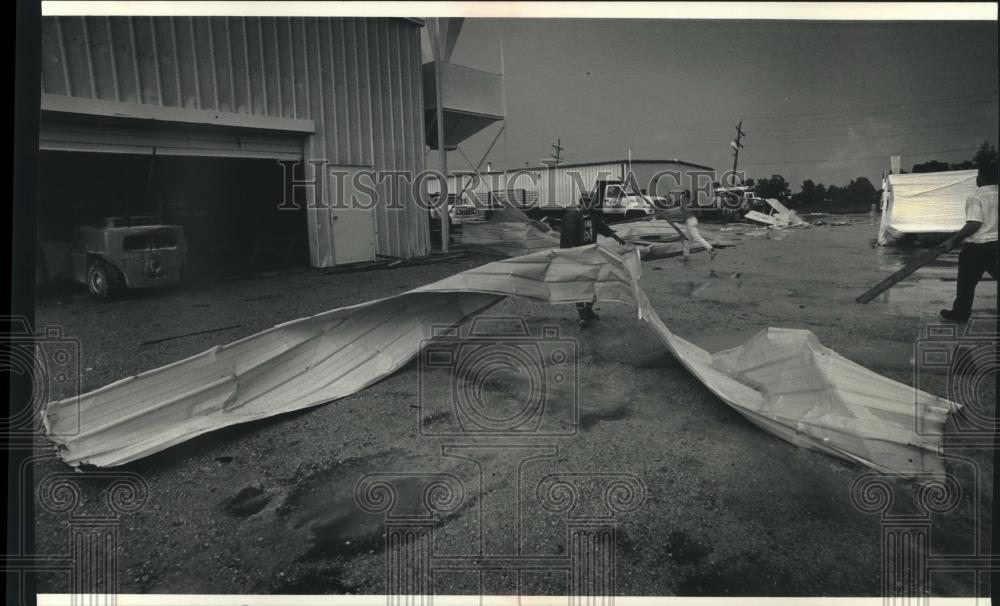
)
(580, 226)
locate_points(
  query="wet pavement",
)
(701, 501)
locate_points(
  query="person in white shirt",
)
(693, 235)
(979, 248)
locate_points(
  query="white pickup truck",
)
(616, 201)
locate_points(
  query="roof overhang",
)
(473, 100)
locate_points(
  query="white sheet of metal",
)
(925, 203)
(783, 380)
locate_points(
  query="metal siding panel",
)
(344, 95)
(53, 66)
(421, 225)
(205, 62)
(272, 49)
(187, 63)
(405, 138)
(241, 70)
(128, 73)
(366, 122)
(352, 92)
(325, 90)
(80, 83)
(378, 135)
(219, 57)
(391, 91)
(300, 63)
(103, 65)
(363, 91)
(168, 69)
(321, 214)
(146, 63)
(358, 79)
(259, 66)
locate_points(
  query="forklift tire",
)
(104, 281)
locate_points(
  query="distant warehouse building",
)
(562, 185)
(206, 121)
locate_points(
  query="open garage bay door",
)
(134, 137)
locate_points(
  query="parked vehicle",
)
(459, 210)
(615, 200)
(137, 252)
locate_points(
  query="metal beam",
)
(62, 104)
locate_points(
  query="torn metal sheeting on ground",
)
(760, 217)
(312, 360)
(784, 381)
(512, 235)
(785, 214)
(781, 217)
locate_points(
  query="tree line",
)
(859, 194)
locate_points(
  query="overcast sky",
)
(827, 101)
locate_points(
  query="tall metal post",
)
(443, 196)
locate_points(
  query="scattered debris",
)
(783, 380)
(510, 233)
(786, 215)
(782, 216)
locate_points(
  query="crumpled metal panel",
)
(782, 380)
(511, 233)
(925, 203)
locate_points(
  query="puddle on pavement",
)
(683, 549)
(324, 503)
(931, 287)
(589, 419)
(924, 296)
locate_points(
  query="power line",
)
(894, 109)
(882, 156)
(785, 131)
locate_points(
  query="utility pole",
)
(736, 145)
(557, 156)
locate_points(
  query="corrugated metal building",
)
(210, 105)
(563, 184)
